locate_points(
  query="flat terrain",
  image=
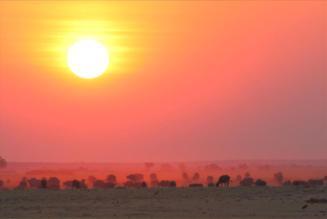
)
(165, 203)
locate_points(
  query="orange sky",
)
(187, 81)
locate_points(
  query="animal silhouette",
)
(223, 181)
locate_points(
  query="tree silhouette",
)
(316, 182)
(76, 184)
(23, 184)
(186, 178)
(260, 182)
(279, 177)
(135, 177)
(53, 183)
(196, 177)
(247, 174)
(3, 162)
(300, 183)
(112, 179)
(44, 183)
(136, 181)
(154, 179)
(247, 181)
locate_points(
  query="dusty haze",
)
(189, 81)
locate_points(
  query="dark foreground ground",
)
(262, 203)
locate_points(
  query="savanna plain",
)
(240, 202)
(228, 190)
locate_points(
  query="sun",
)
(87, 58)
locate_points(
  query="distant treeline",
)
(137, 181)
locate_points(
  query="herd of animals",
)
(137, 181)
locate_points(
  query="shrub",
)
(167, 183)
(198, 185)
(316, 182)
(260, 182)
(135, 177)
(247, 181)
(300, 183)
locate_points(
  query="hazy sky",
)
(187, 81)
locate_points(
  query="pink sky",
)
(190, 81)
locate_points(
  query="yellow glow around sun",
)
(87, 58)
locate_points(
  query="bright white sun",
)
(87, 58)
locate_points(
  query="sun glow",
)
(87, 58)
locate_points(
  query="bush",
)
(167, 183)
(260, 182)
(198, 185)
(135, 177)
(111, 179)
(300, 183)
(287, 183)
(247, 181)
(316, 182)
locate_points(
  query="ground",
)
(265, 203)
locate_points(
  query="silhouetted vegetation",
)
(43, 183)
(135, 181)
(53, 183)
(300, 183)
(135, 177)
(186, 178)
(260, 182)
(3, 162)
(287, 183)
(198, 185)
(23, 184)
(196, 177)
(99, 184)
(111, 181)
(247, 174)
(247, 181)
(154, 180)
(279, 177)
(167, 183)
(34, 179)
(34, 183)
(75, 184)
(315, 182)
